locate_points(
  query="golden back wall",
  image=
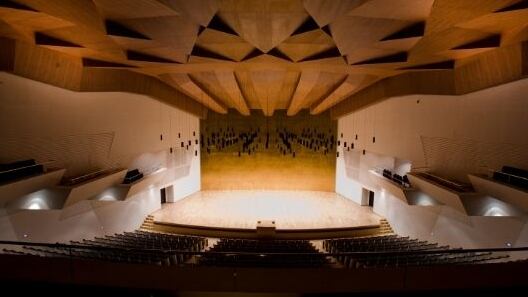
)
(268, 153)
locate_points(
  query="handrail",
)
(393, 253)
(72, 181)
(28, 166)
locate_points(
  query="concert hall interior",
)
(264, 147)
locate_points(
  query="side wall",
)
(83, 132)
(451, 135)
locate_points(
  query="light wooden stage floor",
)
(289, 209)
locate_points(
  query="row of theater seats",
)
(511, 175)
(456, 186)
(19, 169)
(144, 247)
(264, 253)
(401, 180)
(139, 247)
(394, 243)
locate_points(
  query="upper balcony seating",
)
(261, 254)
(514, 176)
(394, 243)
(19, 169)
(132, 176)
(401, 180)
(447, 183)
(128, 245)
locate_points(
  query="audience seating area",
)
(401, 180)
(132, 176)
(513, 176)
(394, 243)
(19, 169)
(144, 247)
(447, 183)
(262, 253)
(140, 247)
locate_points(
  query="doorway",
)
(163, 195)
(371, 199)
(367, 197)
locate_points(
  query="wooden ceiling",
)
(268, 54)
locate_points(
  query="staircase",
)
(148, 224)
(385, 228)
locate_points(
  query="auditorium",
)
(262, 148)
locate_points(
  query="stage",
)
(293, 212)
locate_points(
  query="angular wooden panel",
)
(326, 54)
(116, 29)
(414, 30)
(187, 86)
(275, 52)
(253, 54)
(199, 51)
(450, 64)
(143, 57)
(15, 5)
(44, 39)
(522, 4)
(306, 82)
(393, 58)
(218, 24)
(491, 41)
(308, 25)
(228, 82)
(87, 62)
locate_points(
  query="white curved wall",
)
(84, 131)
(453, 135)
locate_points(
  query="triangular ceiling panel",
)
(81, 13)
(325, 12)
(114, 28)
(523, 4)
(327, 30)
(327, 54)
(300, 51)
(199, 51)
(199, 11)
(307, 44)
(44, 39)
(15, 5)
(253, 54)
(393, 58)
(487, 42)
(262, 24)
(449, 64)
(227, 45)
(306, 26)
(275, 52)
(143, 57)
(219, 25)
(414, 30)
(88, 62)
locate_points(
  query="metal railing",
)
(88, 176)
(28, 166)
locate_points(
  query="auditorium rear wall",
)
(299, 155)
